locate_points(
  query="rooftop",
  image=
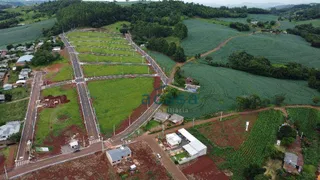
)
(2, 97)
(291, 159)
(173, 139)
(25, 58)
(117, 154)
(161, 116)
(9, 129)
(176, 118)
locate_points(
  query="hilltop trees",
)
(239, 26)
(180, 30)
(308, 32)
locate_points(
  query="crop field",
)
(279, 49)
(55, 120)
(114, 100)
(220, 87)
(204, 36)
(105, 70)
(15, 111)
(284, 25)
(307, 120)
(165, 62)
(26, 14)
(96, 58)
(314, 22)
(254, 17)
(24, 33)
(253, 150)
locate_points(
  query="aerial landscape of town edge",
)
(160, 90)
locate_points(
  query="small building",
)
(21, 48)
(74, 144)
(2, 98)
(173, 139)
(2, 75)
(7, 87)
(115, 156)
(161, 116)
(133, 167)
(195, 148)
(24, 59)
(56, 49)
(176, 119)
(191, 88)
(291, 163)
(21, 82)
(23, 75)
(28, 70)
(9, 129)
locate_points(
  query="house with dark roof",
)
(115, 156)
(161, 116)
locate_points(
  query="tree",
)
(287, 141)
(10, 46)
(180, 30)
(172, 49)
(316, 99)
(279, 98)
(15, 137)
(179, 56)
(252, 171)
(272, 23)
(286, 132)
(8, 97)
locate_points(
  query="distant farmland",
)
(204, 36)
(256, 17)
(220, 87)
(278, 49)
(24, 33)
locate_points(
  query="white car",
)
(159, 156)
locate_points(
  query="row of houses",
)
(161, 117)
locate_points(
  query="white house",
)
(195, 148)
(173, 139)
(56, 49)
(9, 129)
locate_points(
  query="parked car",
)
(159, 156)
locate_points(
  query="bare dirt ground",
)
(229, 133)
(142, 108)
(90, 167)
(53, 101)
(9, 161)
(203, 169)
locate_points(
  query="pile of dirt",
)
(54, 101)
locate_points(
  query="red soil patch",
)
(63, 139)
(54, 67)
(229, 132)
(203, 168)
(54, 101)
(91, 167)
(148, 167)
(64, 53)
(9, 161)
(142, 108)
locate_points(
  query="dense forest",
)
(299, 12)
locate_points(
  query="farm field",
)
(279, 49)
(15, 111)
(27, 14)
(163, 61)
(96, 58)
(105, 70)
(254, 17)
(307, 120)
(252, 151)
(24, 33)
(220, 87)
(314, 22)
(115, 100)
(53, 121)
(204, 36)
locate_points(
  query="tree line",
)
(239, 26)
(308, 32)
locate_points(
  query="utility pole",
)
(102, 145)
(84, 142)
(114, 131)
(193, 122)
(221, 116)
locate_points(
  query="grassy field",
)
(314, 22)
(163, 61)
(50, 118)
(204, 36)
(279, 49)
(115, 100)
(220, 87)
(253, 17)
(105, 51)
(253, 150)
(102, 44)
(114, 28)
(25, 33)
(65, 72)
(18, 93)
(125, 59)
(104, 70)
(14, 111)
(27, 14)
(307, 120)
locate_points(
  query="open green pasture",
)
(15, 111)
(105, 70)
(204, 36)
(279, 49)
(114, 40)
(102, 44)
(254, 150)
(64, 73)
(105, 51)
(18, 93)
(220, 87)
(114, 100)
(91, 34)
(125, 59)
(165, 62)
(55, 120)
(115, 27)
(26, 33)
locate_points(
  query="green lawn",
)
(25, 33)
(204, 36)
(18, 93)
(279, 49)
(181, 155)
(65, 73)
(105, 51)
(307, 120)
(125, 59)
(165, 62)
(220, 87)
(102, 44)
(115, 27)
(13, 112)
(104, 70)
(114, 100)
(14, 77)
(253, 150)
(151, 124)
(50, 118)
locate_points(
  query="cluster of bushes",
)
(308, 32)
(254, 101)
(239, 26)
(44, 54)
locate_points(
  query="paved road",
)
(30, 120)
(86, 107)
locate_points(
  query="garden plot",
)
(105, 70)
(279, 49)
(220, 87)
(165, 62)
